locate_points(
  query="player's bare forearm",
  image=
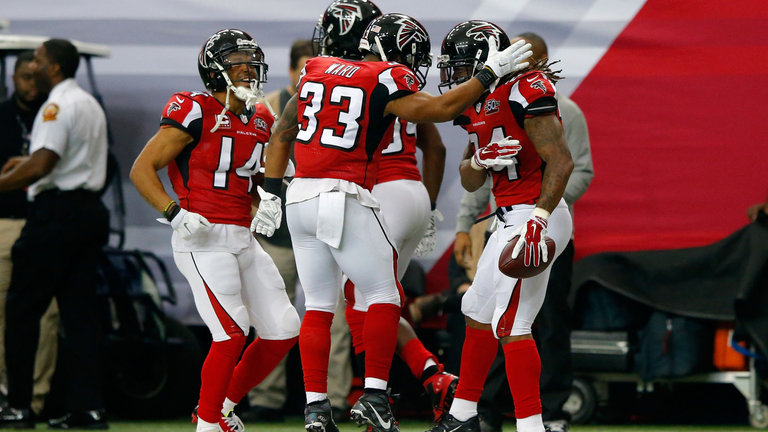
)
(547, 136)
(148, 183)
(433, 163)
(422, 107)
(281, 141)
(159, 151)
(471, 179)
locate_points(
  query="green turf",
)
(296, 425)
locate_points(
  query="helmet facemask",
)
(458, 71)
(225, 71)
(255, 75)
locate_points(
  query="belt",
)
(499, 213)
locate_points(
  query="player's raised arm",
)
(422, 107)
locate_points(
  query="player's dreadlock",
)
(544, 65)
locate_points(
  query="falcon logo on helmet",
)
(409, 31)
(483, 32)
(347, 14)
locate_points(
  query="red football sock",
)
(415, 355)
(258, 360)
(380, 339)
(216, 375)
(523, 372)
(480, 348)
(315, 348)
(356, 322)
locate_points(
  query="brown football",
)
(516, 268)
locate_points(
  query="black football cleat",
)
(318, 417)
(93, 419)
(449, 423)
(16, 418)
(374, 410)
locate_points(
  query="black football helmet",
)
(399, 38)
(216, 57)
(340, 27)
(466, 46)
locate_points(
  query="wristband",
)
(165, 210)
(273, 185)
(475, 166)
(433, 206)
(486, 77)
(540, 212)
(171, 212)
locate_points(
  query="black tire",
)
(582, 403)
(169, 386)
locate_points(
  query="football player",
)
(407, 203)
(341, 118)
(212, 150)
(516, 137)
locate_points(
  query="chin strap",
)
(250, 96)
(381, 49)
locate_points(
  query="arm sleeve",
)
(577, 137)
(51, 133)
(472, 205)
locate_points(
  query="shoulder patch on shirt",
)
(50, 112)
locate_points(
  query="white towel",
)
(330, 217)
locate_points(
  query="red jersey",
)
(398, 159)
(342, 126)
(502, 113)
(212, 176)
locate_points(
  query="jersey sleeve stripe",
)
(388, 81)
(195, 113)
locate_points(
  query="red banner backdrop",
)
(677, 119)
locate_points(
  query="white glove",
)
(187, 223)
(510, 60)
(429, 240)
(269, 215)
(497, 154)
(532, 237)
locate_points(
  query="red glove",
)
(497, 154)
(532, 236)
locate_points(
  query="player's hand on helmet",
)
(532, 239)
(429, 240)
(511, 59)
(497, 154)
(187, 224)
(269, 215)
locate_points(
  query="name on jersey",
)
(480, 123)
(249, 133)
(342, 70)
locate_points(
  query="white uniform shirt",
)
(72, 124)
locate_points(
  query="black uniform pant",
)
(57, 255)
(552, 331)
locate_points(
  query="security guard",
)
(57, 254)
